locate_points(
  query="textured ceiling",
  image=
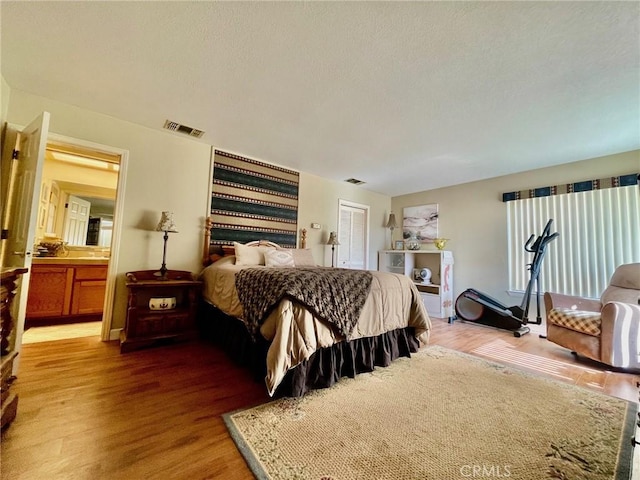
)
(406, 96)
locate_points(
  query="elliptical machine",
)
(475, 306)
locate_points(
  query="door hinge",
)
(5, 234)
(15, 154)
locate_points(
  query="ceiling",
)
(405, 96)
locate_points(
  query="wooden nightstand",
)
(146, 326)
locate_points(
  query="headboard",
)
(210, 252)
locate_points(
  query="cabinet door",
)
(393, 262)
(49, 291)
(88, 297)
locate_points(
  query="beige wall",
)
(165, 172)
(5, 92)
(319, 199)
(473, 216)
(168, 172)
(4, 166)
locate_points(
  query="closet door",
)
(353, 235)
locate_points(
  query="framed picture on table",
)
(398, 245)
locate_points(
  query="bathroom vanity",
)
(66, 289)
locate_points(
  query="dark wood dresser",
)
(9, 399)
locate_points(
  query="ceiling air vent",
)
(176, 127)
(355, 181)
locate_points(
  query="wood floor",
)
(61, 332)
(87, 412)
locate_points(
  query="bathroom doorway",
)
(81, 186)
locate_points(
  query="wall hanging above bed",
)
(251, 200)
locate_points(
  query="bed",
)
(300, 326)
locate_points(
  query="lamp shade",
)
(333, 239)
(166, 223)
(392, 223)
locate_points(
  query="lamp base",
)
(161, 275)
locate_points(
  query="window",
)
(599, 230)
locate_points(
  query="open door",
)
(22, 210)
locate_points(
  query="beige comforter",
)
(295, 334)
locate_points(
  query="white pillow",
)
(303, 257)
(248, 255)
(278, 258)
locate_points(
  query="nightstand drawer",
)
(159, 324)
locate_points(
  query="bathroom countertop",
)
(70, 260)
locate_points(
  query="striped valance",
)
(584, 186)
(252, 200)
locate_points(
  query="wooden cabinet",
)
(49, 291)
(149, 319)
(437, 295)
(8, 396)
(62, 291)
(89, 285)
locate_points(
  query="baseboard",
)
(114, 334)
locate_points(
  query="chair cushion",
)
(626, 276)
(577, 320)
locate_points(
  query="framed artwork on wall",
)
(420, 222)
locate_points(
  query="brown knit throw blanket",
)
(335, 295)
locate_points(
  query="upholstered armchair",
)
(605, 330)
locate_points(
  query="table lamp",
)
(391, 224)
(167, 226)
(333, 241)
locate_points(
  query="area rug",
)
(439, 415)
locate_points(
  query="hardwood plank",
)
(88, 412)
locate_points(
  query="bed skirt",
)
(324, 368)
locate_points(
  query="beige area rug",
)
(439, 415)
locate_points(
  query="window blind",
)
(599, 230)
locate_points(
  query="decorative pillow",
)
(278, 258)
(303, 257)
(248, 255)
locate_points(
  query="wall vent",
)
(176, 127)
(355, 181)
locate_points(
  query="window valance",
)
(584, 186)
